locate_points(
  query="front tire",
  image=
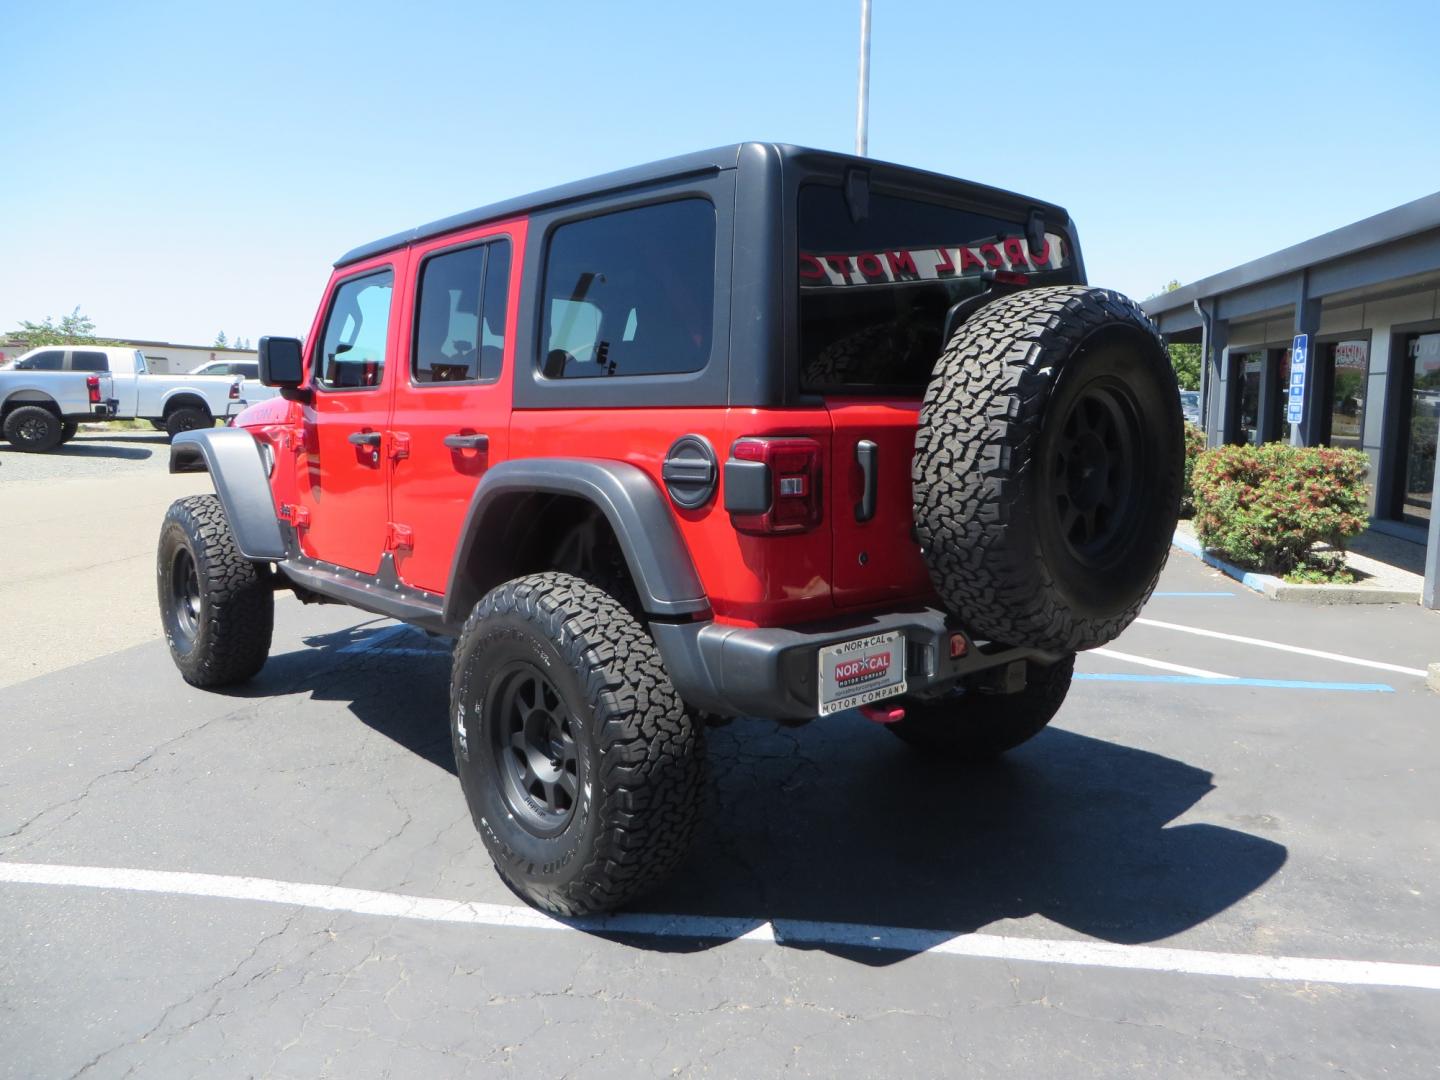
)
(216, 606)
(33, 429)
(975, 724)
(581, 766)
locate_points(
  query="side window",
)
(249, 371)
(352, 349)
(49, 360)
(460, 325)
(630, 293)
(89, 361)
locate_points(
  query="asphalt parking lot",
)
(1220, 860)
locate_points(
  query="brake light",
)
(1010, 277)
(781, 488)
(92, 387)
(234, 391)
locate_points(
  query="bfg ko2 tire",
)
(187, 418)
(972, 723)
(1048, 467)
(581, 766)
(217, 607)
(33, 429)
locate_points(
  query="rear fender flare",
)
(632, 503)
(233, 459)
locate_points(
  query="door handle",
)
(364, 438)
(867, 454)
(468, 442)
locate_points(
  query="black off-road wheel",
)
(973, 723)
(217, 607)
(1048, 468)
(33, 429)
(187, 418)
(581, 766)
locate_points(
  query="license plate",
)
(862, 671)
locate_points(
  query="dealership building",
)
(1367, 299)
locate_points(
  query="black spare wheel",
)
(580, 764)
(33, 429)
(1048, 467)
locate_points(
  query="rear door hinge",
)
(399, 536)
(297, 516)
(399, 445)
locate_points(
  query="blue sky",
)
(179, 169)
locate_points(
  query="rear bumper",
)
(773, 672)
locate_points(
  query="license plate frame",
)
(860, 671)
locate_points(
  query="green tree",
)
(72, 329)
(220, 341)
(1185, 359)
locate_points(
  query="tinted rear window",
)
(631, 293)
(89, 361)
(874, 292)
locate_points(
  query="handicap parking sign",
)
(1299, 350)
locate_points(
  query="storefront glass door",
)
(1419, 434)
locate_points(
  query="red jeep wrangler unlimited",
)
(758, 431)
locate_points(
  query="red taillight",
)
(1010, 277)
(792, 484)
(234, 391)
(92, 386)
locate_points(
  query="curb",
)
(1275, 589)
(1433, 679)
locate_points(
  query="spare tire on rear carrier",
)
(1048, 468)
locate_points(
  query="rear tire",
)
(1048, 468)
(216, 606)
(188, 418)
(68, 428)
(33, 429)
(974, 724)
(581, 766)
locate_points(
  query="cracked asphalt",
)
(1245, 819)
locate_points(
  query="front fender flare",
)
(233, 459)
(656, 554)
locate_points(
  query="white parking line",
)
(1145, 661)
(781, 931)
(1339, 658)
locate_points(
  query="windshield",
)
(874, 292)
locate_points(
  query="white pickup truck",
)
(48, 391)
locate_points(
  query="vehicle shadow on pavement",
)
(76, 449)
(838, 821)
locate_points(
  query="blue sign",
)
(1299, 353)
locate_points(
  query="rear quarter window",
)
(630, 293)
(874, 292)
(89, 361)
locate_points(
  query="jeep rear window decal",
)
(896, 266)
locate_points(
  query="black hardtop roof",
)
(704, 161)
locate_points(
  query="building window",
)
(1279, 430)
(1344, 367)
(1420, 426)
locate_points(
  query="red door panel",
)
(460, 307)
(340, 472)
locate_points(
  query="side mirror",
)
(282, 362)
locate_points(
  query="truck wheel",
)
(217, 607)
(581, 766)
(33, 429)
(1048, 467)
(973, 723)
(68, 428)
(189, 418)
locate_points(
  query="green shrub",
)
(1194, 447)
(1266, 507)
